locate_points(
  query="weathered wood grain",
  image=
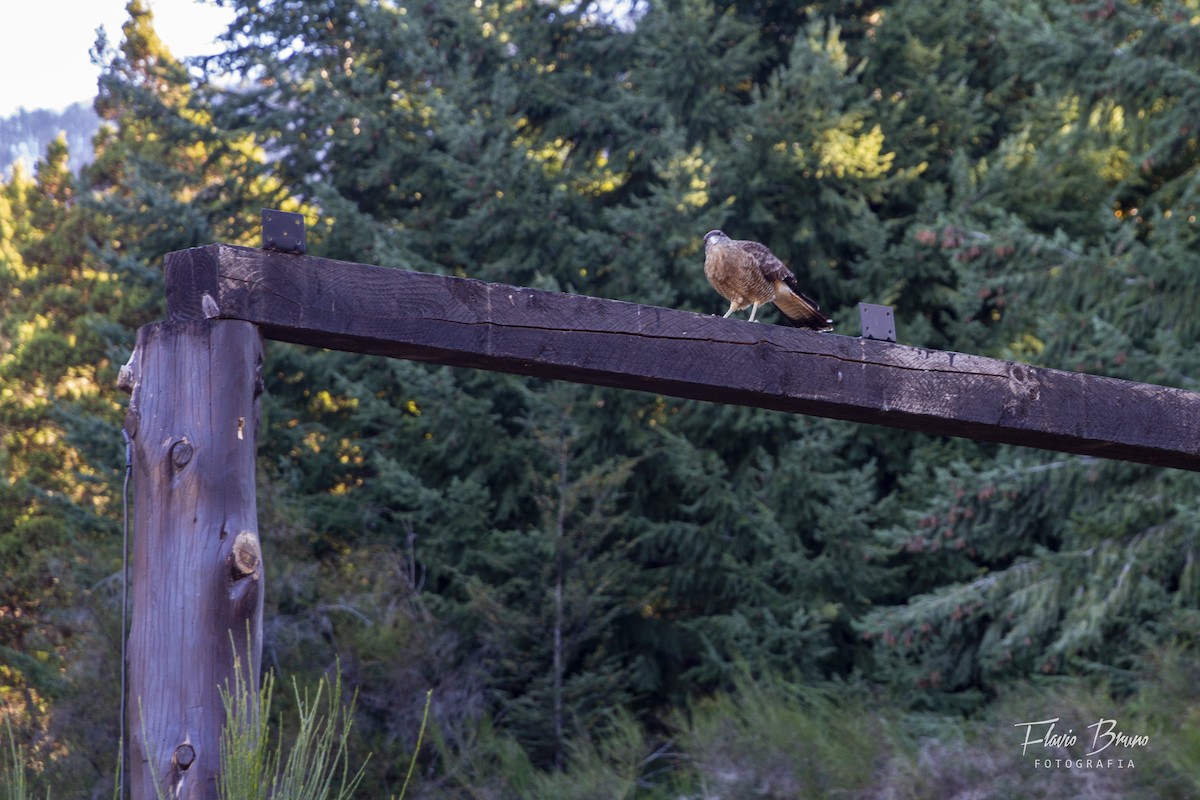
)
(433, 318)
(197, 587)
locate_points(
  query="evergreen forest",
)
(610, 594)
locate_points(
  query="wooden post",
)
(197, 569)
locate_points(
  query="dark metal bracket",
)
(878, 322)
(283, 231)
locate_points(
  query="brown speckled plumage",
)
(748, 274)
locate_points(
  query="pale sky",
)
(44, 61)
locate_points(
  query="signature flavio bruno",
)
(1104, 737)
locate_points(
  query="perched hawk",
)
(748, 274)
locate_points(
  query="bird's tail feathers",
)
(800, 309)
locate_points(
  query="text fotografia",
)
(1116, 745)
(1083, 763)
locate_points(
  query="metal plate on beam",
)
(878, 322)
(283, 231)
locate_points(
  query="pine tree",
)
(57, 520)
(556, 593)
(164, 172)
(1027, 564)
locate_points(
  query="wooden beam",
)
(469, 323)
(197, 569)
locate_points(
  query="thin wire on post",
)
(124, 609)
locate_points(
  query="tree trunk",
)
(197, 568)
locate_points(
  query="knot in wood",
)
(245, 554)
(1028, 384)
(185, 756)
(181, 453)
(127, 376)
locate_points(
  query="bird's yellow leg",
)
(732, 308)
(753, 311)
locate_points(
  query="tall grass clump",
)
(13, 783)
(315, 767)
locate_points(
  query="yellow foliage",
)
(79, 382)
(350, 453)
(552, 155)
(691, 170)
(842, 153)
(1027, 346)
(1107, 116)
(600, 178)
(313, 440)
(345, 488)
(324, 402)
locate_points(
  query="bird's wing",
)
(800, 309)
(767, 262)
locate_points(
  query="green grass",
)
(317, 764)
(13, 782)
